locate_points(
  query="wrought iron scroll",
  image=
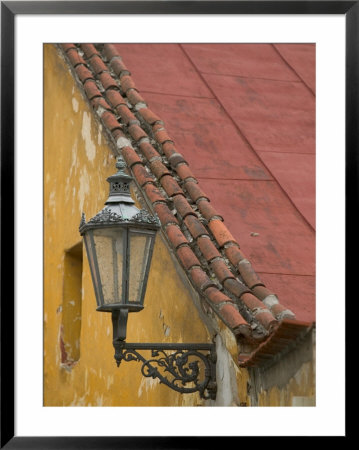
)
(190, 367)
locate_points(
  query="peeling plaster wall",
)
(77, 161)
(290, 381)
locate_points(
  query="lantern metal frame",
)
(181, 362)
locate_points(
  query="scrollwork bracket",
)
(185, 368)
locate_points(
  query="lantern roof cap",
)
(120, 207)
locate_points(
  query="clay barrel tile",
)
(89, 50)
(235, 321)
(234, 254)
(171, 186)
(134, 97)
(207, 248)
(107, 81)
(137, 132)
(141, 175)
(182, 206)
(221, 270)
(169, 150)
(176, 236)
(148, 150)
(115, 98)
(248, 274)
(164, 213)
(98, 65)
(236, 287)
(125, 114)
(153, 193)
(149, 116)
(220, 232)
(131, 156)
(194, 226)
(194, 191)
(74, 57)
(207, 210)
(216, 296)
(187, 257)
(183, 171)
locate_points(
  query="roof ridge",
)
(201, 241)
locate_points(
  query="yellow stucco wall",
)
(77, 160)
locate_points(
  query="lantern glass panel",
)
(109, 246)
(140, 254)
(95, 276)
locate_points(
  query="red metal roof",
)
(243, 116)
(233, 124)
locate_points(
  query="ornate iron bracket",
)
(191, 367)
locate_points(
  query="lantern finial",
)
(120, 164)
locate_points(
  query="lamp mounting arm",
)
(185, 368)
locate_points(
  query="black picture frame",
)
(8, 12)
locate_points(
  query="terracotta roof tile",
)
(233, 253)
(97, 102)
(110, 121)
(67, 47)
(142, 176)
(176, 236)
(248, 274)
(182, 206)
(220, 232)
(84, 73)
(233, 318)
(126, 115)
(74, 57)
(107, 81)
(165, 214)
(187, 257)
(98, 65)
(236, 287)
(115, 98)
(134, 97)
(200, 278)
(110, 51)
(261, 291)
(194, 191)
(194, 226)
(184, 172)
(117, 134)
(91, 89)
(221, 270)
(174, 158)
(169, 149)
(217, 297)
(149, 116)
(118, 66)
(162, 136)
(89, 50)
(148, 150)
(207, 209)
(158, 168)
(169, 175)
(131, 157)
(136, 132)
(170, 185)
(127, 83)
(207, 248)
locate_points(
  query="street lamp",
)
(119, 243)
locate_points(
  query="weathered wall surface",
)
(288, 382)
(79, 369)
